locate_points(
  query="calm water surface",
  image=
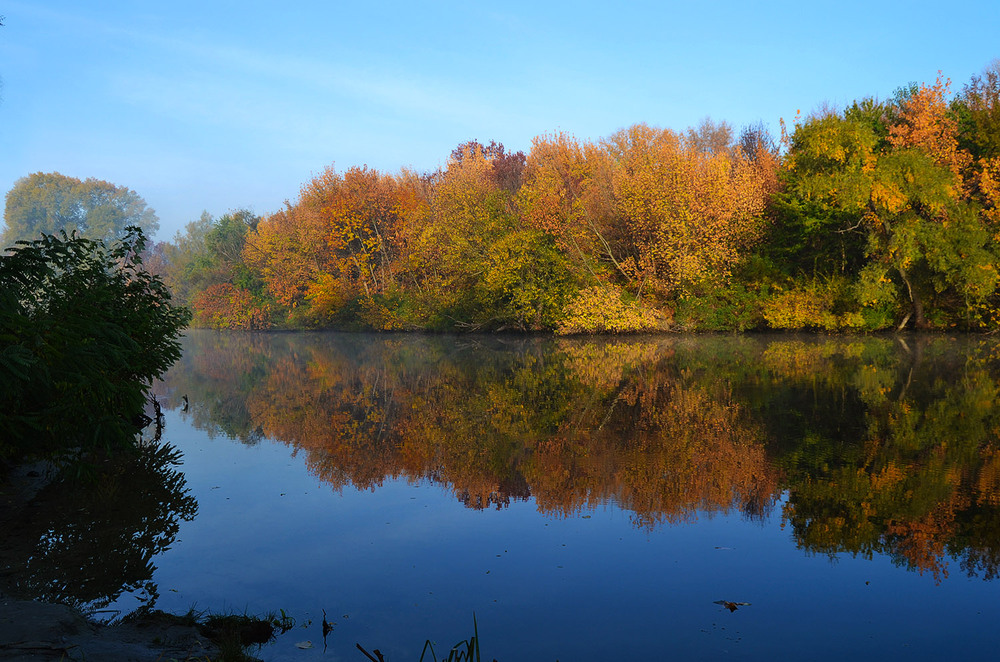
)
(584, 499)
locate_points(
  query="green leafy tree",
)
(185, 259)
(228, 235)
(84, 329)
(46, 203)
(926, 249)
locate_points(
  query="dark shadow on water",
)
(86, 542)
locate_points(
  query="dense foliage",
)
(879, 215)
(83, 331)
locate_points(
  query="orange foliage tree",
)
(655, 211)
(225, 306)
(925, 122)
(567, 193)
(286, 249)
(341, 242)
(688, 211)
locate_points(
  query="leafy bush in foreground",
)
(83, 331)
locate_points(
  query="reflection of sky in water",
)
(409, 562)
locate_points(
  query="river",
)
(687, 497)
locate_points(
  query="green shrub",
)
(733, 308)
(827, 304)
(83, 331)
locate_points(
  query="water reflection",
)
(916, 478)
(86, 544)
(880, 445)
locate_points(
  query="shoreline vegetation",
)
(85, 329)
(881, 215)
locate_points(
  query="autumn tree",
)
(690, 206)
(897, 177)
(657, 212)
(340, 246)
(287, 250)
(361, 223)
(924, 121)
(567, 194)
(481, 264)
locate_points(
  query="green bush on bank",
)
(83, 331)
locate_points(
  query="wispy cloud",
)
(263, 90)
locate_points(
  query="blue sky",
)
(217, 105)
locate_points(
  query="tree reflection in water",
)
(89, 543)
(872, 445)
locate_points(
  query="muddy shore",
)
(37, 631)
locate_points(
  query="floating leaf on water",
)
(304, 644)
(731, 606)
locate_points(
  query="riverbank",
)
(38, 631)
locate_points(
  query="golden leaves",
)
(988, 182)
(600, 309)
(663, 210)
(926, 123)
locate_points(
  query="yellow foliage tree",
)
(689, 213)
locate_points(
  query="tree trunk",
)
(919, 321)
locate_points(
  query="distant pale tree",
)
(710, 137)
(45, 203)
(186, 260)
